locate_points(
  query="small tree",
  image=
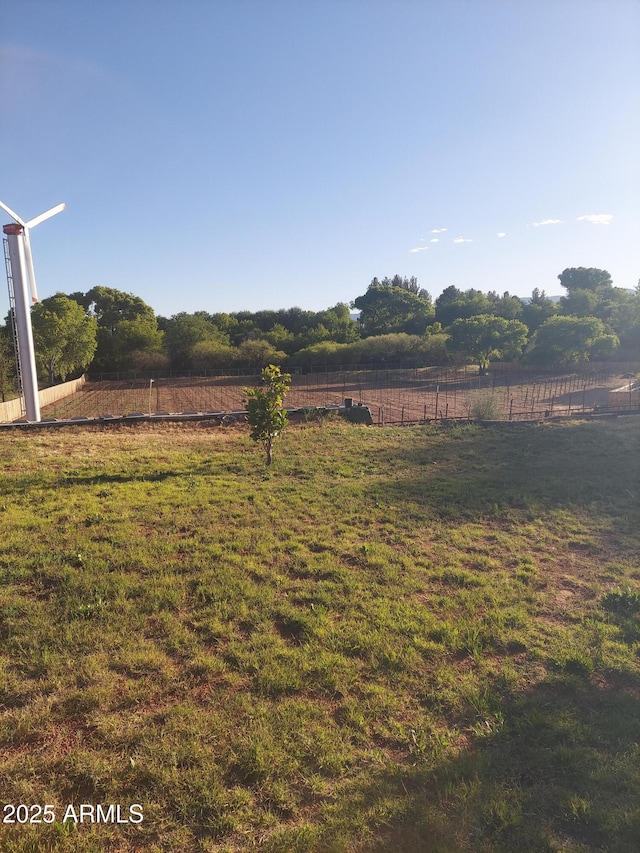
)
(265, 413)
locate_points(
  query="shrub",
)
(484, 406)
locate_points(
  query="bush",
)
(212, 355)
(377, 349)
(484, 406)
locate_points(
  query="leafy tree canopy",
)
(387, 308)
(183, 331)
(409, 284)
(140, 335)
(486, 336)
(537, 310)
(453, 304)
(507, 306)
(110, 306)
(64, 336)
(569, 340)
(585, 278)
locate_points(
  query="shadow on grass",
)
(481, 471)
(18, 485)
(562, 773)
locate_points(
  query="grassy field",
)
(419, 639)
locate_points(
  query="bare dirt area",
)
(393, 396)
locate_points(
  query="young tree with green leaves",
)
(265, 413)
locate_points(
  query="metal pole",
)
(15, 240)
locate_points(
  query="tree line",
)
(105, 330)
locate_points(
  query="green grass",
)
(418, 639)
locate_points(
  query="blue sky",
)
(224, 155)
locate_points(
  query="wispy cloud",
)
(462, 240)
(419, 249)
(547, 222)
(438, 230)
(501, 234)
(597, 218)
(28, 73)
(434, 240)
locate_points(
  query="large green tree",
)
(486, 336)
(387, 308)
(569, 340)
(454, 304)
(585, 278)
(64, 337)
(183, 331)
(507, 306)
(111, 307)
(538, 309)
(136, 344)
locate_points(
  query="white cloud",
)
(434, 240)
(438, 230)
(501, 234)
(597, 218)
(547, 222)
(462, 240)
(419, 249)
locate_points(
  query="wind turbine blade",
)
(30, 270)
(12, 214)
(38, 219)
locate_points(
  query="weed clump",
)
(484, 406)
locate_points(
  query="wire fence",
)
(394, 395)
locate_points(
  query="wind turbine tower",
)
(22, 292)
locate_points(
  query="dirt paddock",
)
(393, 396)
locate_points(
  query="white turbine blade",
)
(12, 214)
(38, 219)
(30, 270)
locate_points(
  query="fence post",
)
(511, 410)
